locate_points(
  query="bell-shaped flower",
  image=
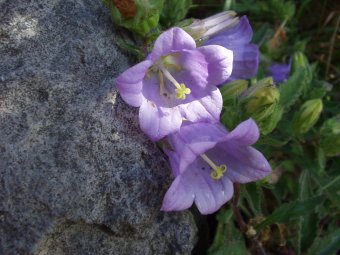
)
(237, 39)
(280, 72)
(177, 81)
(206, 160)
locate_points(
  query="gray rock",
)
(77, 176)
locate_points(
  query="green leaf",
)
(271, 141)
(174, 11)
(291, 90)
(253, 194)
(318, 89)
(327, 245)
(309, 229)
(228, 239)
(308, 224)
(231, 248)
(290, 211)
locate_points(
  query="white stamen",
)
(170, 77)
(209, 161)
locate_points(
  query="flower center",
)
(218, 171)
(181, 89)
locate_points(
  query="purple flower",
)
(177, 81)
(206, 160)
(280, 72)
(237, 39)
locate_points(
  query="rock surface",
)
(76, 174)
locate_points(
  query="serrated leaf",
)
(327, 245)
(291, 90)
(290, 211)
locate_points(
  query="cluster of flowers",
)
(176, 90)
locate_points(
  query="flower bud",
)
(201, 30)
(307, 116)
(299, 61)
(233, 89)
(139, 16)
(174, 11)
(330, 136)
(261, 99)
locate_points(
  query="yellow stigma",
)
(182, 91)
(218, 171)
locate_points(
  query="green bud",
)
(268, 124)
(261, 99)
(300, 64)
(307, 116)
(139, 16)
(330, 136)
(299, 61)
(174, 11)
(233, 89)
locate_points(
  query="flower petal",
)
(238, 35)
(197, 185)
(207, 65)
(246, 61)
(246, 55)
(130, 83)
(246, 164)
(246, 133)
(280, 72)
(207, 108)
(158, 122)
(194, 139)
(172, 40)
(174, 161)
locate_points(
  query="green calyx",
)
(261, 100)
(307, 116)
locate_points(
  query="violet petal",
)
(130, 83)
(197, 186)
(174, 39)
(158, 122)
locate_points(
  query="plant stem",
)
(241, 223)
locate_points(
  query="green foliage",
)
(233, 90)
(298, 206)
(330, 136)
(307, 116)
(274, 9)
(139, 16)
(235, 244)
(174, 11)
(326, 245)
(291, 211)
(298, 84)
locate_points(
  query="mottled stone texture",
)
(76, 174)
